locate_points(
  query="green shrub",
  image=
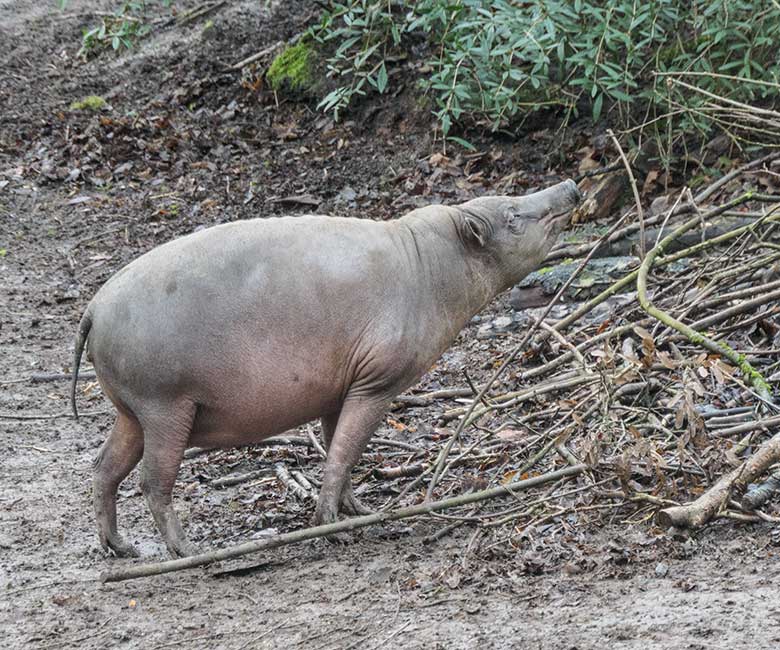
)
(365, 33)
(498, 60)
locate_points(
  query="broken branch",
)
(699, 512)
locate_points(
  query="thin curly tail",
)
(81, 340)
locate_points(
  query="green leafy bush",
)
(365, 33)
(497, 60)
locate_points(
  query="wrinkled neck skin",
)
(454, 277)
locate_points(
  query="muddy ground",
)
(183, 144)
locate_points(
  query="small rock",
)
(498, 326)
(81, 198)
(123, 168)
(69, 294)
(661, 570)
(347, 195)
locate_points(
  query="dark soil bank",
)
(182, 144)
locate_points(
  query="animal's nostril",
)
(575, 194)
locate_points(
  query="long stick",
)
(143, 570)
(700, 198)
(630, 278)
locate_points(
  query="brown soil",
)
(182, 145)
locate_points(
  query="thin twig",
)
(54, 416)
(639, 211)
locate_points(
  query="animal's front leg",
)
(350, 504)
(358, 419)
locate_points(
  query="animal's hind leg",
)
(119, 454)
(349, 502)
(167, 429)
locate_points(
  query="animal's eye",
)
(517, 221)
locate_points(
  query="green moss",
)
(292, 67)
(89, 103)
(756, 378)
(696, 338)
(545, 269)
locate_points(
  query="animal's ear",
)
(475, 230)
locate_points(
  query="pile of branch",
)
(660, 398)
(671, 390)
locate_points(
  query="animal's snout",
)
(563, 198)
(573, 195)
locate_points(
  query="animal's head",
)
(518, 231)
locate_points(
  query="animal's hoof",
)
(119, 547)
(182, 549)
(339, 538)
(124, 549)
(325, 516)
(351, 506)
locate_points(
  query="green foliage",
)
(498, 60)
(365, 32)
(89, 103)
(120, 29)
(292, 67)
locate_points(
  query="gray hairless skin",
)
(241, 331)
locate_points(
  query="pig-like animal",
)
(241, 331)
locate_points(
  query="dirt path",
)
(184, 145)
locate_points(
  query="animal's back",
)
(257, 322)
